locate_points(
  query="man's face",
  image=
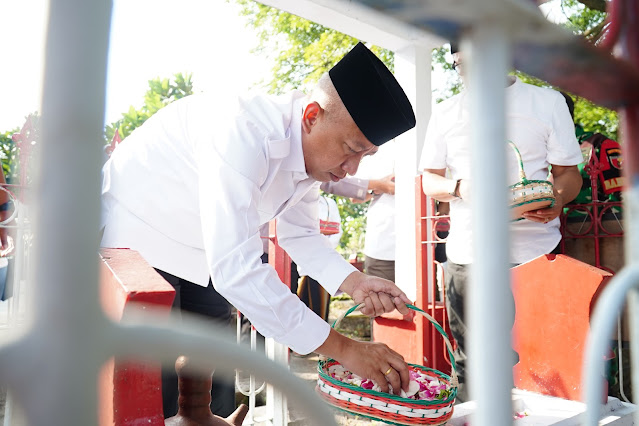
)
(332, 148)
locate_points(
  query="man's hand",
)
(378, 295)
(386, 185)
(566, 182)
(547, 214)
(374, 361)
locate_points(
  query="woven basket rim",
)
(383, 395)
(522, 183)
(532, 200)
(409, 421)
(434, 323)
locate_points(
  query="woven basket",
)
(527, 195)
(385, 407)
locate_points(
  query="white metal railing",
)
(276, 409)
(15, 306)
(253, 390)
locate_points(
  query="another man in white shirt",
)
(191, 187)
(379, 240)
(540, 125)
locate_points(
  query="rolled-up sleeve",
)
(348, 187)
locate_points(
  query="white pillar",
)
(489, 323)
(413, 71)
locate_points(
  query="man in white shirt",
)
(379, 240)
(540, 125)
(191, 187)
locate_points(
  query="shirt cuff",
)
(335, 276)
(309, 334)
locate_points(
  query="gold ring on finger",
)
(388, 371)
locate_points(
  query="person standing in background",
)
(539, 124)
(379, 241)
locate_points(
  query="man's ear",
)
(310, 116)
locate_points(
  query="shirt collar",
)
(294, 162)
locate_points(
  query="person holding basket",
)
(190, 188)
(545, 153)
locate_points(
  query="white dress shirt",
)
(190, 189)
(379, 242)
(539, 123)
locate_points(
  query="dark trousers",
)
(205, 301)
(457, 277)
(314, 296)
(380, 268)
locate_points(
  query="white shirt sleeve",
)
(229, 196)
(563, 148)
(434, 151)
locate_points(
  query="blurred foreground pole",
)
(63, 351)
(623, 35)
(487, 60)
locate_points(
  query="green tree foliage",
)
(303, 49)
(585, 18)
(353, 225)
(161, 92)
(9, 155)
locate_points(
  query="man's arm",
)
(566, 185)
(385, 185)
(435, 184)
(349, 187)
(360, 189)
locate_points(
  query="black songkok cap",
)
(372, 96)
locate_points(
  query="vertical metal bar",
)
(276, 403)
(603, 321)
(431, 281)
(627, 281)
(62, 390)
(490, 320)
(630, 130)
(18, 267)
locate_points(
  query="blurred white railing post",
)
(276, 402)
(487, 59)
